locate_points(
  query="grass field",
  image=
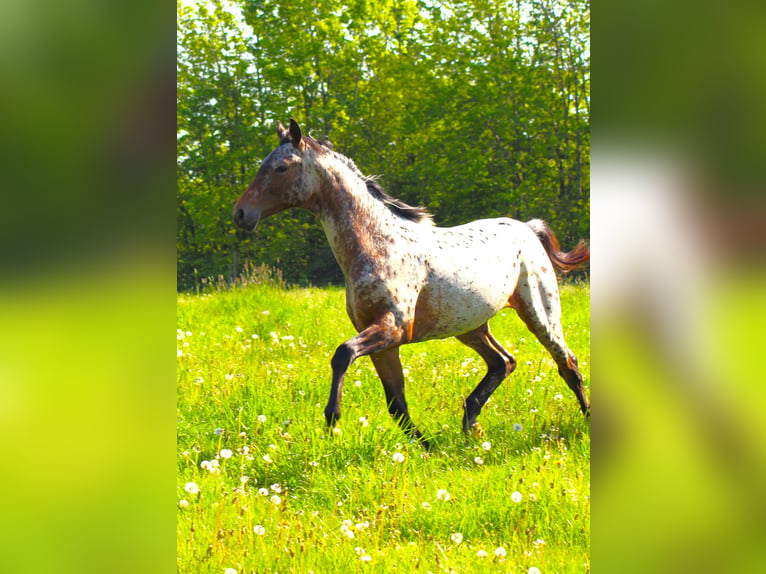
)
(262, 487)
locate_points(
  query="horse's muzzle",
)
(246, 221)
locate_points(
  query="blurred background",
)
(678, 238)
(88, 283)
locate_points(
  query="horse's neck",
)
(355, 223)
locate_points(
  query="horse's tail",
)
(564, 262)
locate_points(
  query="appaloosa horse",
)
(408, 281)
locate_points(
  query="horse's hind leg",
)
(500, 364)
(389, 369)
(537, 303)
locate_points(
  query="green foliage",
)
(253, 378)
(474, 110)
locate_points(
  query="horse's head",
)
(279, 183)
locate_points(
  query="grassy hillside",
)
(273, 491)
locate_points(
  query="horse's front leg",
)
(389, 369)
(382, 334)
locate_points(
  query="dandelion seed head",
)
(218, 431)
(442, 494)
(183, 503)
(365, 558)
(267, 458)
(191, 488)
(516, 496)
(230, 571)
(263, 491)
(533, 570)
(517, 427)
(226, 453)
(481, 554)
(500, 552)
(276, 500)
(486, 445)
(398, 457)
(261, 419)
(259, 530)
(456, 537)
(478, 460)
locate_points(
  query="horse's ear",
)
(295, 133)
(282, 132)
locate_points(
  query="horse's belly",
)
(446, 308)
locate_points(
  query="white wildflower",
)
(442, 494)
(486, 445)
(457, 538)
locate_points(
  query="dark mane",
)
(396, 206)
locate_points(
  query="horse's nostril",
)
(239, 216)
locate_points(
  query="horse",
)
(408, 280)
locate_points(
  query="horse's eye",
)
(281, 169)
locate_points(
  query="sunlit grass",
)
(278, 493)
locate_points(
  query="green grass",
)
(261, 350)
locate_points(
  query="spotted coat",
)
(409, 281)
